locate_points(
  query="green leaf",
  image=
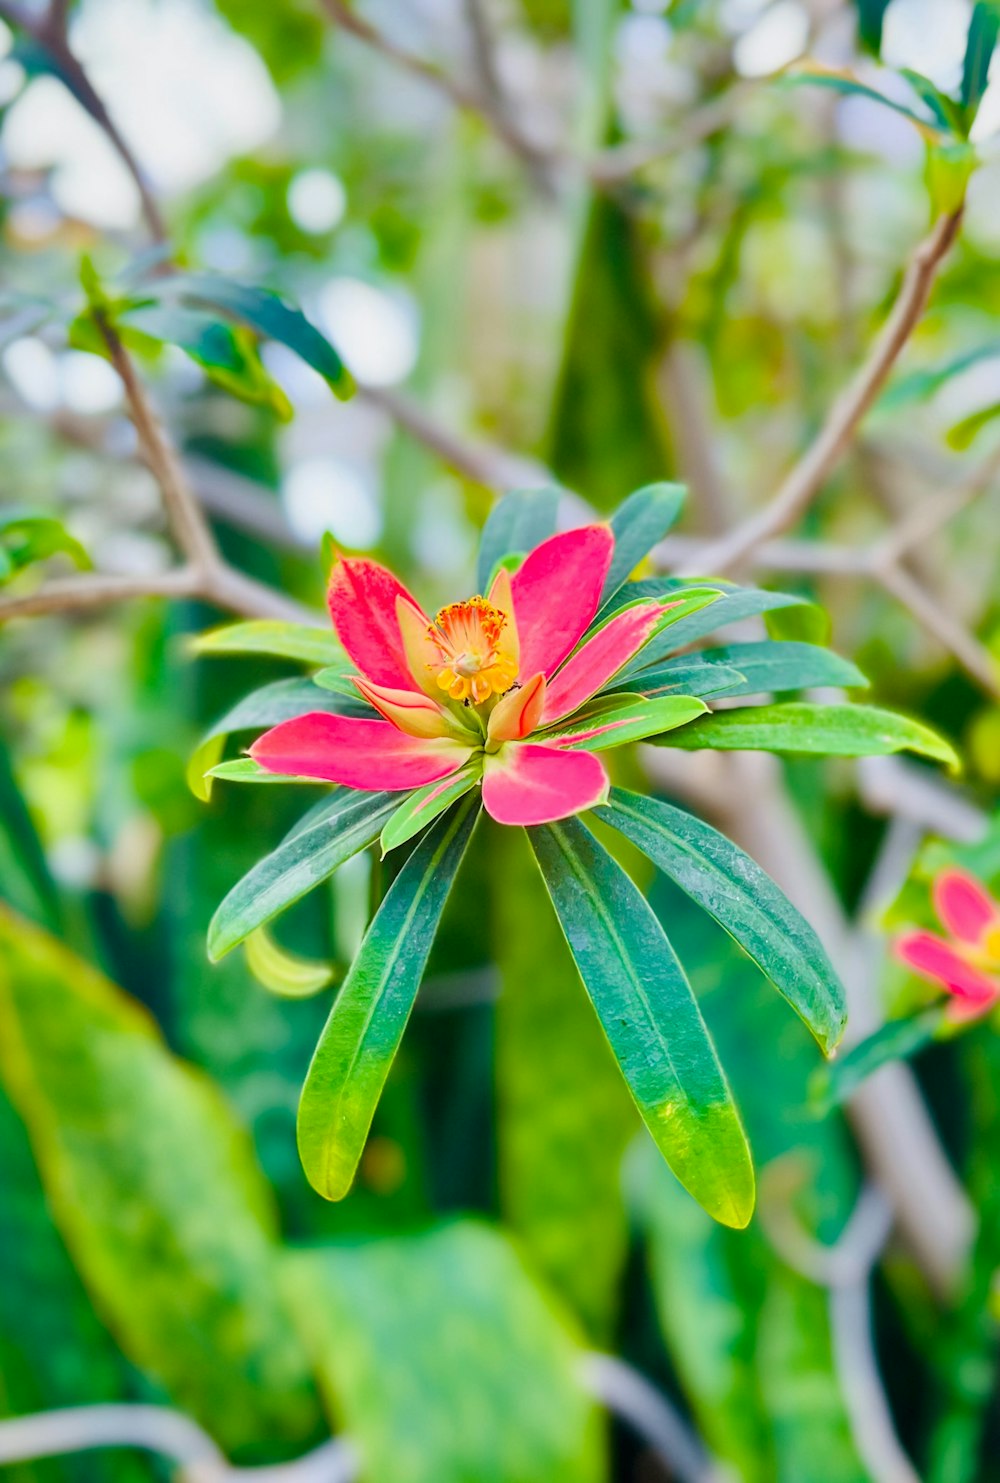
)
(688, 675)
(156, 1191)
(651, 1019)
(770, 666)
(945, 110)
(228, 355)
(828, 730)
(282, 700)
(639, 523)
(26, 537)
(564, 1115)
(446, 1360)
(423, 806)
(984, 28)
(361, 1037)
(246, 770)
(919, 385)
(844, 82)
(267, 314)
(271, 636)
(284, 973)
(518, 522)
(617, 719)
(896, 1040)
(336, 830)
(729, 605)
(871, 14)
(744, 900)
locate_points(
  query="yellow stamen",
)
(470, 661)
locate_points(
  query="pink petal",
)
(964, 906)
(517, 715)
(363, 754)
(599, 659)
(936, 959)
(526, 783)
(362, 601)
(557, 591)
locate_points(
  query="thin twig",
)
(845, 1269)
(628, 1394)
(187, 522)
(459, 94)
(49, 32)
(167, 1433)
(809, 475)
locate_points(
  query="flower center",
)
(469, 660)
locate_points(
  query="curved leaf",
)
(731, 605)
(280, 701)
(743, 899)
(639, 523)
(786, 665)
(267, 314)
(287, 974)
(272, 636)
(828, 730)
(651, 1019)
(896, 1040)
(366, 1024)
(517, 522)
(689, 674)
(337, 829)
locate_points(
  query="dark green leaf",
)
(732, 606)
(744, 900)
(770, 666)
(945, 110)
(828, 730)
(688, 675)
(871, 14)
(651, 1019)
(842, 82)
(265, 313)
(984, 28)
(638, 524)
(517, 522)
(366, 1024)
(337, 829)
(564, 1115)
(896, 1040)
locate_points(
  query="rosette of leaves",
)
(421, 794)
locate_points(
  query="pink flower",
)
(967, 962)
(479, 686)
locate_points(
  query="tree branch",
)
(468, 100)
(806, 479)
(49, 32)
